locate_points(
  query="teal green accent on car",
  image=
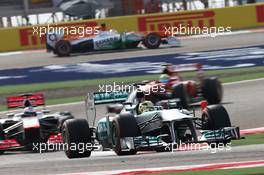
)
(213, 134)
(102, 129)
(103, 97)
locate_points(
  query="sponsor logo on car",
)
(105, 42)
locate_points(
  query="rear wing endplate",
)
(97, 98)
(186, 67)
(36, 99)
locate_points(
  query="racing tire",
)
(179, 91)
(212, 90)
(152, 41)
(2, 136)
(215, 117)
(64, 116)
(63, 48)
(123, 126)
(75, 132)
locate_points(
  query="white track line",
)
(243, 81)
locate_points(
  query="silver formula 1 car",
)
(161, 126)
(23, 130)
(63, 45)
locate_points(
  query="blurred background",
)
(30, 12)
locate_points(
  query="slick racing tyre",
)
(215, 117)
(212, 90)
(123, 126)
(179, 91)
(74, 133)
(63, 48)
(152, 41)
(2, 136)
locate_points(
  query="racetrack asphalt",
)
(244, 102)
(57, 163)
(40, 58)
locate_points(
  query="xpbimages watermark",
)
(209, 147)
(191, 30)
(146, 89)
(170, 147)
(80, 147)
(81, 31)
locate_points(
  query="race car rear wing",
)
(35, 99)
(185, 67)
(97, 98)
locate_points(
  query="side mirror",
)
(114, 108)
(45, 111)
(129, 109)
(127, 103)
(10, 115)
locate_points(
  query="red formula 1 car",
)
(172, 85)
(23, 130)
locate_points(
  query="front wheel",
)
(152, 41)
(63, 48)
(215, 117)
(77, 138)
(123, 126)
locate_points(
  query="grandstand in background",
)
(31, 12)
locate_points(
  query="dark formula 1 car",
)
(24, 129)
(63, 45)
(188, 91)
(155, 129)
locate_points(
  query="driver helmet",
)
(164, 78)
(103, 27)
(30, 111)
(145, 107)
(168, 69)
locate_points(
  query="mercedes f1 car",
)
(172, 85)
(63, 45)
(22, 130)
(129, 131)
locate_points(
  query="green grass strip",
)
(236, 171)
(246, 73)
(249, 140)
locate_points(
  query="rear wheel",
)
(123, 126)
(63, 48)
(179, 91)
(152, 41)
(2, 136)
(212, 90)
(76, 133)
